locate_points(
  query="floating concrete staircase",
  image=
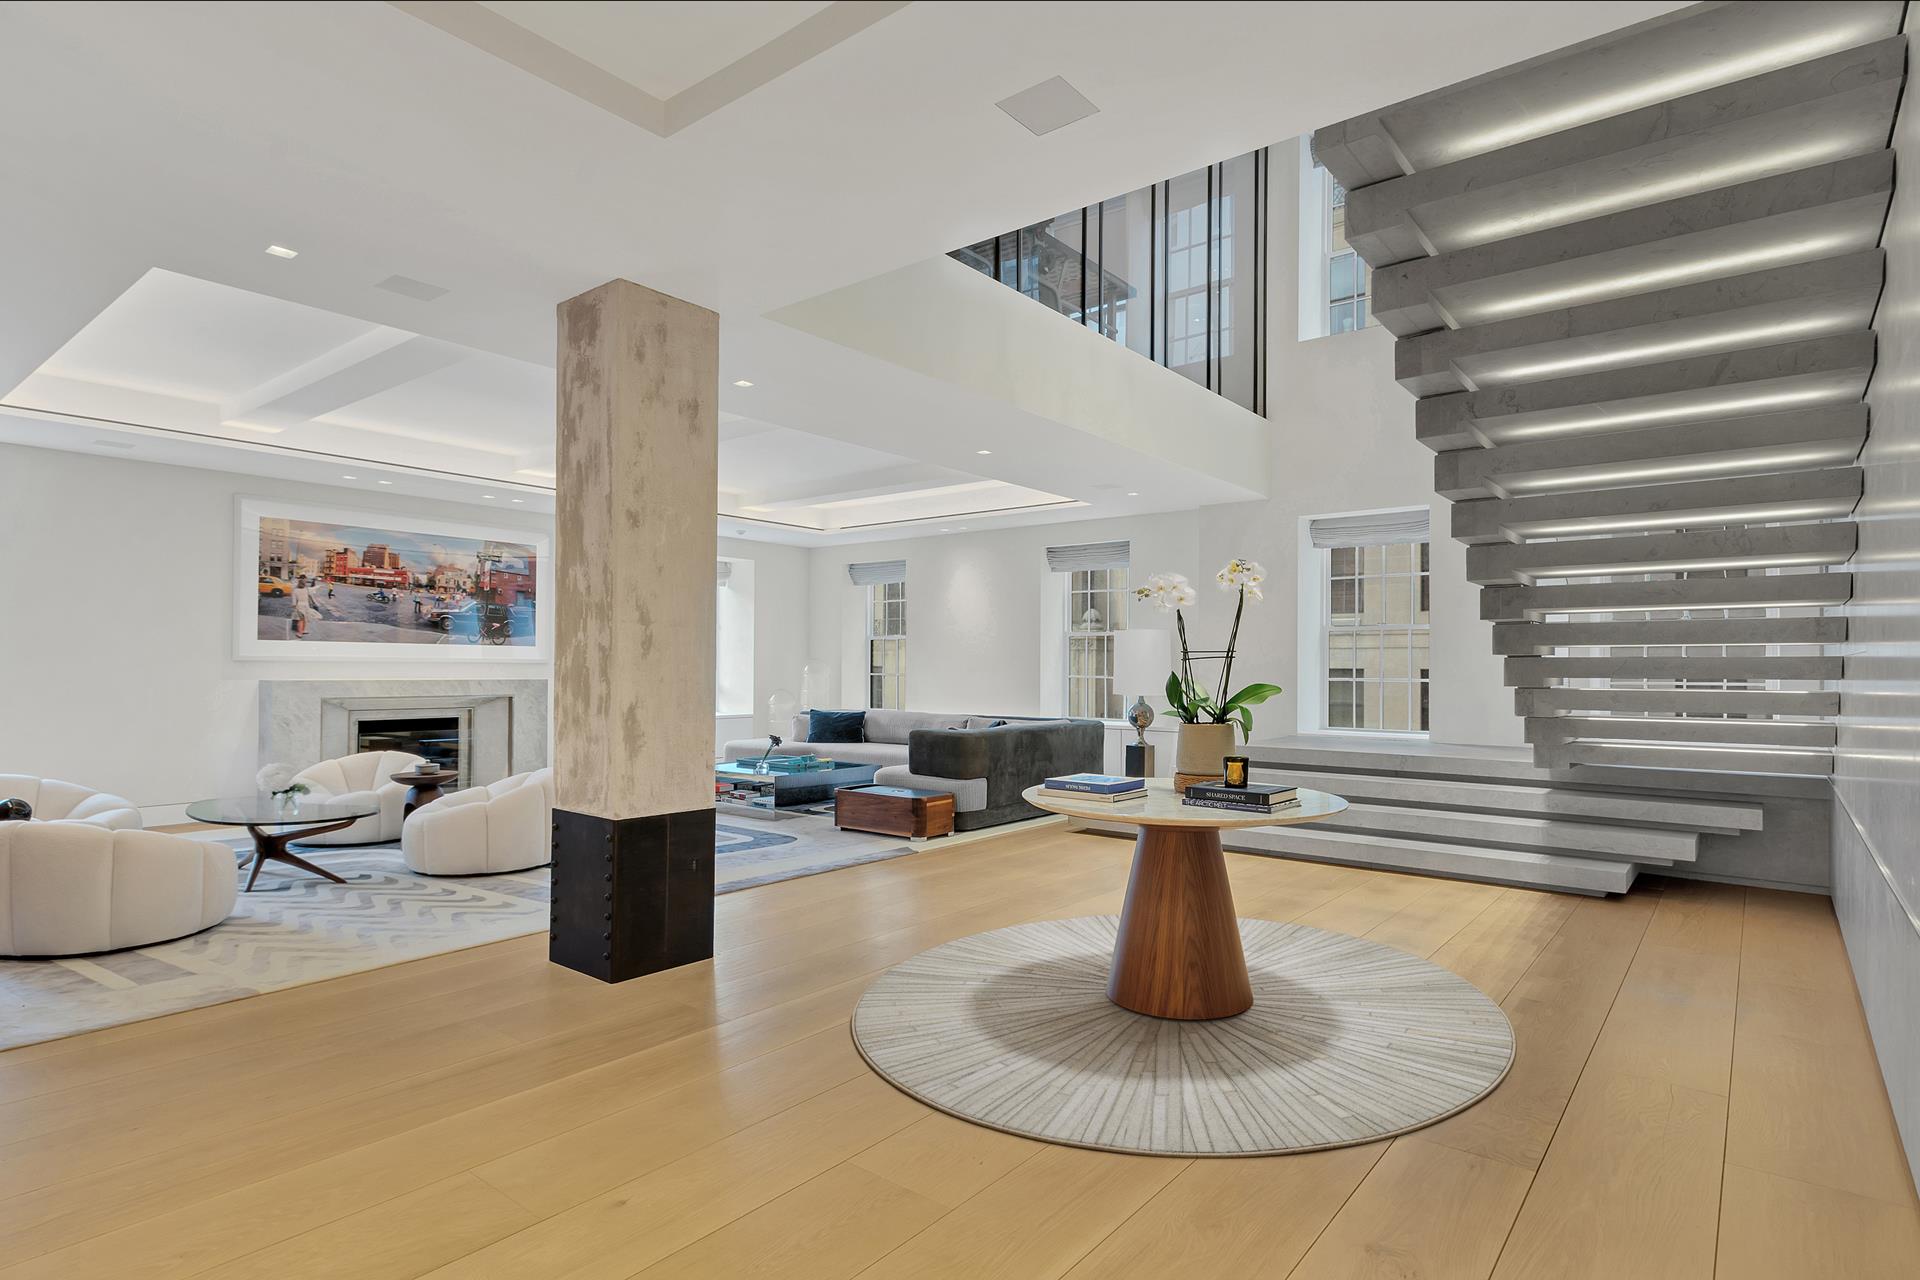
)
(1488, 813)
(1633, 285)
(1492, 814)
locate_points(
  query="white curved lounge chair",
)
(507, 826)
(81, 876)
(365, 776)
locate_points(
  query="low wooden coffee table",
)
(1178, 954)
(894, 811)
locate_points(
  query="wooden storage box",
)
(894, 811)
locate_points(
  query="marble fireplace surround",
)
(303, 721)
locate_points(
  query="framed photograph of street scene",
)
(314, 582)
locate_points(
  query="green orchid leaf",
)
(1245, 715)
(1176, 696)
(1253, 695)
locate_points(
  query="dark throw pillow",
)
(836, 726)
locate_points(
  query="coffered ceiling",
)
(442, 198)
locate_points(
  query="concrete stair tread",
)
(1521, 638)
(1531, 701)
(1792, 440)
(1496, 111)
(1750, 591)
(1832, 368)
(1564, 872)
(1534, 672)
(1780, 496)
(1614, 841)
(1744, 547)
(1763, 732)
(1714, 758)
(1559, 803)
(1842, 100)
(1827, 208)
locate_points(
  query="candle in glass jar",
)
(1236, 771)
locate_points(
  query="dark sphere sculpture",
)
(14, 809)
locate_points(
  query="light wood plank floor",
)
(1694, 1096)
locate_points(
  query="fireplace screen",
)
(434, 738)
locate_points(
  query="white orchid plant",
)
(1172, 593)
(278, 779)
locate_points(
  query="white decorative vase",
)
(1199, 750)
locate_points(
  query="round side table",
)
(423, 786)
(1178, 953)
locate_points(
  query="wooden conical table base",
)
(1178, 952)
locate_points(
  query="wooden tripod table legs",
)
(1178, 954)
(272, 844)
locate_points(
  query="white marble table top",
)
(1162, 807)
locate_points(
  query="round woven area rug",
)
(1348, 1041)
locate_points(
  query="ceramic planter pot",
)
(1200, 749)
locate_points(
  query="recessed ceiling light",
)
(486, 495)
(983, 452)
(281, 251)
(741, 382)
(1133, 493)
(946, 531)
(519, 499)
(383, 482)
(346, 477)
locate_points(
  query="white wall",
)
(118, 642)
(116, 636)
(1876, 770)
(1341, 433)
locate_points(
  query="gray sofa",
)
(984, 764)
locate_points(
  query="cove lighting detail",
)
(1689, 183)
(1693, 268)
(1648, 92)
(1703, 410)
(1731, 339)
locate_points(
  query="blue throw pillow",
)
(836, 726)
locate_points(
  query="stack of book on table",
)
(1100, 788)
(1253, 798)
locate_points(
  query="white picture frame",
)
(249, 644)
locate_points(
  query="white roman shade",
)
(1089, 555)
(723, 569)
(874, 572)
(1372, 530)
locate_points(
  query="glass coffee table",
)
(274, 824)
(786, 782)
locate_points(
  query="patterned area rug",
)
(1347, 1041)
(299, 928)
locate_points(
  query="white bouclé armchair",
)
(366, 776)
(82, 876)
(506, 826)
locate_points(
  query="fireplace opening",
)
(435, 739)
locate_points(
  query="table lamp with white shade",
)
(1141, 660)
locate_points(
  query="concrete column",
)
(637, 432)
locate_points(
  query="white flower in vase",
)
(278, 779)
